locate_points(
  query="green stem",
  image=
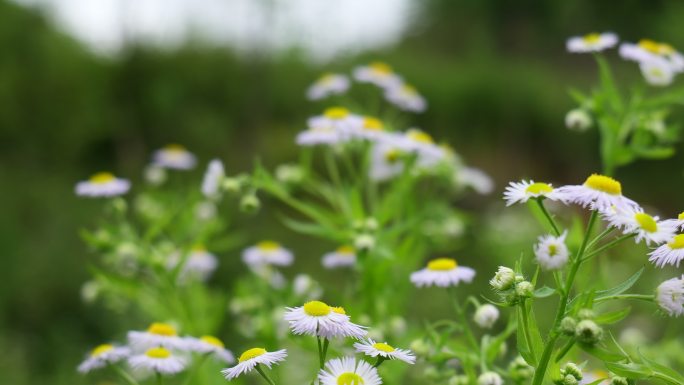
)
(380, 360)
(263, 374)
(160, 380)
(124, 374)
(196, 368)
(608, 245)
(565, 349)
(464, 321)
(603, 234)
(641, 297)
(326, 343)
(548, 216)
(540, 372)
(526, 329)
(321, 360)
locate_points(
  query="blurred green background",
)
(495, 74)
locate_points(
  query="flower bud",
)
(524, 289)
(570, 380)
(486, 315)
(586, 314)
(289, 173)
(364, 242)
(520, 371)
(588, 332)
(250, 203)
(568, 325)
(371, 224)
(619, 381)
(232, 185)
(489, 378)
(155, 175)
(504, 279)
(578, 120)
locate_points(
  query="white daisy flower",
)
(343, 329)
(267, 253)
(670, 296)
(486, 316)
(442, 272)
(347, 371)
(344, 256)
(384, 350)
(648, 50)
(213, 177)
(489, 378)
(593, 42)
(371, 128)
(337, 119)
(386, 162)
(326, 85)
(521, 192)
(599, 192)
(671, 253)
(578, 119)
(249, 359)
(102, 356)
(593, 376)
(657, 72)
(551, 252)
(174, 156)
(211, 345)
(406, 97)
(503, 279)
(419, 141)
(103, 184)
(199, 263)
(635, 220)
(474, 178)
(377, 73)
(319, 135)
(159, 360)
(678, 222)
(157, 335)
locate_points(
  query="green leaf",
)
(621, 288)
(631, 370)
(662, 371)
(613, 317)
(544, 292)
(662, 152)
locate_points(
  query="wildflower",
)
(205, 210)
(103, 184)
(102, 356)
(670, 296)
(344, 256)
(588, 332)
(646, 51)
(199, 263)
(657, 72)
(155, 175)
(304, 285)
(319, 135)
(290, 173)
(593, 42)
(250, 203)
(212, 179)
(578, 120)
(371, 128)
(670, 253)
(524, 289)
(442, 272)
(318, 319)
(420, 142)
(520, 371)
(521, 192)
(267, 253)
(619, 381)
(157, 335)
(174, 156)
(489, 378)
(347, 371)
(551, 252)
(486, 315)
(647, 228)
(364, 242)
(338, 119)
(599, 192)
(251, 358)
(593, 376)
(384, 350)
(568, 326)
(386, 162)
(570, 374)
(377, 73)
(406, 97)
(326, 85)
(159, 360)
(210, 345)
(504, 279)
(474, 178)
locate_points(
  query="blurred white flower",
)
(670, 296)
(174, 156)
(326, 85)
(551, 252)
(442, 272)
(213, 179)
(486, 315)
(593, 42)
(102, 184)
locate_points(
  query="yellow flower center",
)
(101, 349)
(268, 246)
(604, 184)
(392, 155)
(176, 148)
(162, 329)
(349, 379)
(251, 353)
(199, 249)
(383, 347)
(646, 222)
(409, 89)
(316, 308)
(655, 47)
(345, 249)
(420, 136)
(539, 188)
(380, 68)
(102, 177)
(677, 242)
(442, 264)
(211, 340)
(372, 124)
(326, 78)
(158, 353)
(338, 310)
(681, 216)
(553, 249)
(592, 38)
(336, 113)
